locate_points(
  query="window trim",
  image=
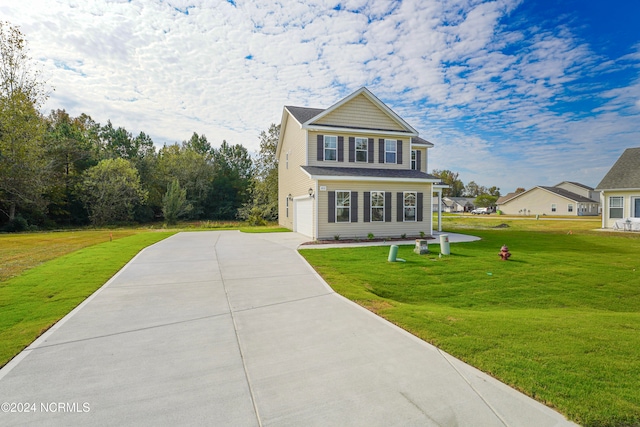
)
(570, 207)
(325, 149)
(621, 207)
(554, 207)
(361, 150)
(414, 159)
(394, 144)
(337, 206)
(404, 206)
(371, 207)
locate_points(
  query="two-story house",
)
(352, 170)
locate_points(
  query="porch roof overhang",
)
(326, 173)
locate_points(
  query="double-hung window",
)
(616, 205)
(343, 206)
(390, 148)
(570, 207)
(553, 207)
(330, 147)
(413, 160)
(377, 206)
(410, 206)
(361, 149)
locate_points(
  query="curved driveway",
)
(233, 329)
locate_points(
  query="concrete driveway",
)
(233, 329)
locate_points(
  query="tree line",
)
(59, 170)
(483, 196)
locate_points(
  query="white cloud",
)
(493, 91)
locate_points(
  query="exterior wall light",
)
(311, 192)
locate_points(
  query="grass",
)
(560, 321)
(32, 302)
(22, 251)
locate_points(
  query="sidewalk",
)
(233, 329)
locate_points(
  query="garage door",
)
(303, 220)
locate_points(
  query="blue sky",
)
(512, 93)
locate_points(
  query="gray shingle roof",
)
(625, 173)
(367, 172)
(303, 114)
(586, 187)
(568, 194)
(420, 141)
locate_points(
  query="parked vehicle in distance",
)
(480, 211)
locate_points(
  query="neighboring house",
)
(458, 204)
(620, 189)
(549, 201)
(580, 189)
(353, 169)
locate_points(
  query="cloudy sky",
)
(512, 93)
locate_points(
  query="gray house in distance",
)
(620, 190)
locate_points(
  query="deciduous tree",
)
(22, 161)
(111, 190)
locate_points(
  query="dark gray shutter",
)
(418, 160)
(354, 206)
(387, 206)
(341, 148)
(320, 148)
(352, 149)
(400, 208)
(367, 206)
(370, 150)
(399, 153)
(332, 206)
(381, 150)
(419, 207)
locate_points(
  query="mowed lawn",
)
(560, 321)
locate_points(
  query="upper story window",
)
(413, 159)
(330, 147)
(410, 206)
(390, 148)
(616, 206)
(377, 206)
(362, 149)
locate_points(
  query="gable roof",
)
(557, 191)
(416, 140)
(625, 173)
(303, 114)
(404, 126)
(506, 197)
(568, 194)
(327, 172)
(577, 184)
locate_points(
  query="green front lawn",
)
(560, 321)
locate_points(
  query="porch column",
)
(439, 191)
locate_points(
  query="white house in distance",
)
(620, 192)
(354, 169)
(566, 198)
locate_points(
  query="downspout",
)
(602, 199)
